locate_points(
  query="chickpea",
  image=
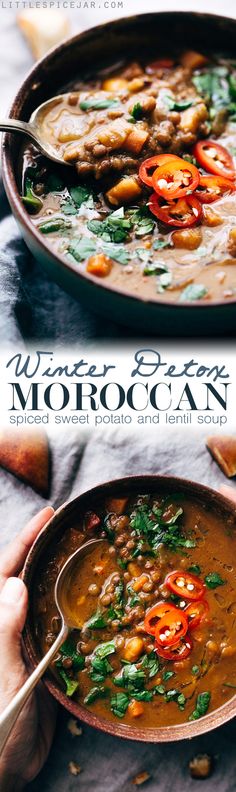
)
(148, 586)
(124, 552)
(72, 99)
(133, 649)
(144, 596)
(93, 589)
(212, 647)
(120, 541)
(106, 599)
(67, 662)
(228, 651)
(116, 578)
(110, 589)
(155, 575)
(130, 544)
(86, 648)
(39, 189)
(115, 625)
(112, 550)
(140, 582)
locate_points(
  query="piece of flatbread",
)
(26, 454)
(43, 28)
(223, 450)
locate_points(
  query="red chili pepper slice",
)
(162, 63)
(175, 178)
(171, 628)
(155, 614)
(178, 652)
(211, 188)
(183, 213)
(196, 612)
(149, 165)
(185, 585)
(214, 158)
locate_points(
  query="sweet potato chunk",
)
(135, 140)
(114, 84)
(223, 450)
(135, 708)
(26, 455)
(193, 60)
(139, 582)
(99, 265)
(113, 135)
(189, 238)
(117, 505)
(193, 117)
(126, 190)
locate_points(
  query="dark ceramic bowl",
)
(60, 522)
(102, 46)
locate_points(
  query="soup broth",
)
(169, 237)
(155, 607)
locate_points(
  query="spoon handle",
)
(13, 125)
(10, 714)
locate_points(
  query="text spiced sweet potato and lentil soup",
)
(150, 203)
(155, 605)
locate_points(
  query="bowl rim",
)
(174, 733)
(11, 187)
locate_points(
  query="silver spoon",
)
(33, 129)
(10, 714)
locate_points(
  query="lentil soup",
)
(155, 605)
(149, 204)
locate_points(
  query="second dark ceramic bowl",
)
(63, 519)
(102, 46)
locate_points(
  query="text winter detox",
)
(145, 386)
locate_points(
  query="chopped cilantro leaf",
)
(71, 684)
(119, 704)
(97, 621)
(94, 693)
(195, 569)
(213, 579)
(82, 248)
(97, 104)
(202, 705)
(137, 111)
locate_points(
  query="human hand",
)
(30, 741)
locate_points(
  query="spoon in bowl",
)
(33, 129)
(10, 714)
